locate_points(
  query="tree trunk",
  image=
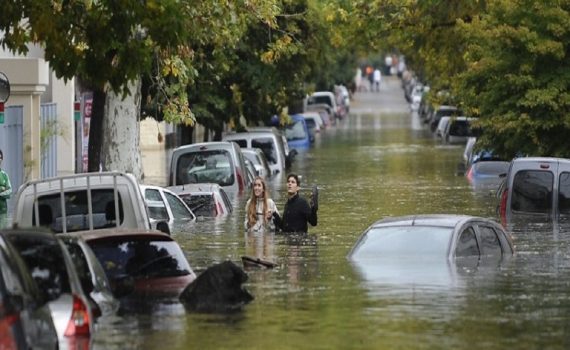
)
(96, 130)
(120, 150)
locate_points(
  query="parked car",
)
(443, 111)
(153, 261)
(73, 311)
(165, 205)
(297, 133)
(325, 111)
(537, 188)
(257, 158)
(443, 236)
(326, 97)
(269, 140)
(485, 164)
(458, 130)
(218, 162)
(205, 200)
(25, 318)
(314, 121)
(343, 95)
(91, 275)
(441, 126)
(92, 201)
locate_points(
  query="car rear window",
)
(532, 191)
(205, 166)
(46, 263)
(295, 131)
(313, 100)
(267, 146)
(404, 241)
(459, 128)
(76, 210)
(201, 205)
(140, 257)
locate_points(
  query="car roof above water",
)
(443, 220)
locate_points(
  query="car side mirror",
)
(162, 226)
(122, 286)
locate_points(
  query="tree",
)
(110, 44)
(518, 77)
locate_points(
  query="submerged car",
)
(205, 200)
(25, 318)
(297, 133)
(257, 158)
(54, 272)
(165, 205)
(151, 261)
(440, 236)
(536, 188)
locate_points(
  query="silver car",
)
(440, 236)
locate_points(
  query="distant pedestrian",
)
(5, 192)
(259, 208)
(377, 79)
(297, 212)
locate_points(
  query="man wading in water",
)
(297, 212)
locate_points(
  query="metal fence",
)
(48, 138)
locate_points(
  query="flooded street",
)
(379, 162)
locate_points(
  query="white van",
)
(210, 162)
(535, 188)
(270, 141)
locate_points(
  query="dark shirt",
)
(296, 215)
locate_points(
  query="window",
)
(266, 145)
(467, 244)
(532, 191)
(295, 131)
(76, 210)
(564, 193)
(179, 211)
(490, 241)
(201, 205)
(205, 166)
(152, 195)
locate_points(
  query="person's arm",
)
(277, 220)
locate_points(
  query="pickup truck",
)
(79, 202)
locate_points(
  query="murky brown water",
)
(377, 163)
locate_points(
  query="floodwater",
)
(379, 162)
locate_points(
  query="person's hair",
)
(1, 154)
(296, 177)
(252, 207)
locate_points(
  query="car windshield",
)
(201, 205)
(140, 258)
(295, 131)
(404, 241)
(460, 128)
(205, 166)
(266, 145)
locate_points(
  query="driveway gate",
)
(48, 139)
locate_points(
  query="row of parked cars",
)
(83, 246)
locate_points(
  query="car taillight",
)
(7, 339)
(503, 206)
(240, 180)
(470, 173)
(79, 322)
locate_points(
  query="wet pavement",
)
(381, 161)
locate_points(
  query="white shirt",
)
(260, 223)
